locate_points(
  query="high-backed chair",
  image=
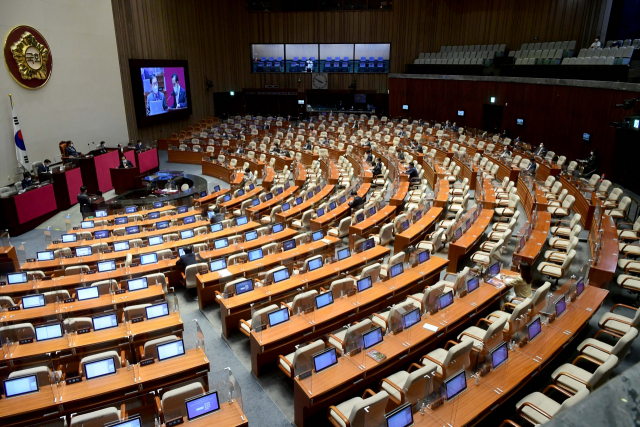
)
(189, 275)
(117, 362)
(336, 339)
(619, 324)
(484, 339)
(511, 326)
(407, 386)
(150, 348)
(19, 331)
(288, 363)
(573, 379)
(97, 418)
(538, 408)
(448, 361)
(172, 401)
(356, 412)
(557, 271)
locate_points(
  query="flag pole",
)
(11, 100)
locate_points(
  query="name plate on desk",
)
(108, 251)
(175, 422)
(137, 320)
(91, 272)
(120, 291)
(76, 228)
(134, 264)
(68, 300)
(26, 341)
(55, 242)
(68, 256)
(83, 331)
(31, 260)
(304, 375)
(73, 380)
(260, 328)
(147, 362)
(16, 308)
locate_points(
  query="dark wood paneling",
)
(555, 115)
(215, 37)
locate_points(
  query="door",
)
(492, 118)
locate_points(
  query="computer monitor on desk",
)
(18, 386)
(202, 405)
(400, 417)
(455, 385)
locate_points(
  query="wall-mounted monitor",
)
(267, 58)
(461, 113)
(300, 101)
(520, 122)
(636, 123)
(160, 90)
(586, 136)
(405, 107)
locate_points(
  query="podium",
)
(124, 180)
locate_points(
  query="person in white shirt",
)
(248, 175)
(595, 44)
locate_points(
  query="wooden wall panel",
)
(555, 115)
(215, 37)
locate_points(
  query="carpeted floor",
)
(268, 400)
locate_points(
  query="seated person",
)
(356, 202)
(139, 146)
(189, 258)
(248, 175)
(43, 170)
(377, 168)
(276, 149)
(419, 148)
(369, 157)
(239, 149)
(401, 156)
(124, 163)
(412, 172)
(70, 151)
(27, 181)
(308, 146)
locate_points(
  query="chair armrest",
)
(344, 419)
(283, 359)
(398, 389)
(619, 321)
(472, 336)
(414, 365)
(508, 304)
(487, 321)
(381, 318)
(159, 405)
(624, 306)
(336, 338)
(506, 423)
(368, 392)
(452, 342)
(558, 389)
(566, 374)
(517, 299)
(535, 408)
(604, 331)
(587, 358)
(596, 347)
(414, 298)
(436, 362)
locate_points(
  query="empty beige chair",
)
(17, 332)
(256, 319)
(573, 379)
(342, 230)
(336, 339)
(619, 324)
(271, 219)
(76, 269)
(6, 302)
(564, 209)
(164, 254)
(104, 286)
(171, 237)
(359, 412)
(53, 296)
(484, 340)
(434, 243)
(512, 325)
(409, 387)
(486, 258)
(288, 363)
(305, 221)
(538, 408)
(449, 361)
(511, 208)
(42, 374)
(621, 211)
(62, 252)
(157, 279)
(382, 318)
(396, 258)
(372, 270)
(97, 418)
(74, 324)
(600, 351)
(385, 235)
(150, 348)
(172, 402)
(237, 258)
(95, 357)
(557, 271)
(135, 311)
(565, 230)
(189, 275)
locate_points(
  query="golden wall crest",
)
(31, 57)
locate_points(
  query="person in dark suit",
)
(102, 148)
(412, 172)
(120, 150)
(308, 146)
(356, 202)
(124, 163)
(70, 151)
(239, 149)
(139, 146)
(189, 258)
(179, 94)
(367, 143)
(27, 180)
(43, 170)
(369, 157)
(155, 95)
(84, 201)
(377, 169)
(275, 149)
(401, 156)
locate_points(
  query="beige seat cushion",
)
(594, 352)
(476, 332)
(439, 354)
(567, 382)
(541, 401)
(549, 268)
(289, 357)
(399, 378)
(613, 325)
(344, 408)
(629, 249)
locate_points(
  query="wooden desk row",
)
(372, 223)
(469, 239)
(296, 211)
(255, 211)
(602, 272)
(533, 247)
(144, 223)
(112, 217)
(334, 216)
(417, 231)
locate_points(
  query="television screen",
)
(461, 113)
(586, 136)
(360, 98)
(636, 123)
(161, 90)
(300, 101)
(405, 107)
(520, 122)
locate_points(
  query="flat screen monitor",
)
(372, 210)
(324, 359)
(277, 228)
(69, 238)
(360, 217)
(561, 306)
(318, 189)
(467, 224)
(160, 225)
(202, 405)
(268, 196)
(87, 293)
(324, 299)
(157, 205)
(455, 384)
(129, 422)
(186, 234)
(534, 328)
(499, 355)
(364, 284)
(400, 417)
(309, 195)
(423, 256)
(16, 278)
(170, 350)
(411, 318)
(255, 202)
(343, 253)
(137, 284)
(520, 122)
(18, 386)
(317, 235)
(586, 136)
(86, 224)
(367, 244)
(157, 310)
(280, 275)
(458, 233)
(134, 229)
(472, 284)
(241, 220)
(181, 252)
(155, 240)
(220, 243)
(122, 220)
(446, 300)
(343, 199)
(44, 256)
(183, 209)
(372, 337)
(315, 264)
(99, 368)
(405, 107)
(521, 242)
(240, 193)
(216, 227)
(148, 259)
(579, 287)
(255, 254)
(216, 188)
(298, 200)
(120, 246)
(320, 212)
(101, 214)
(636, 123)
(461, 113)
(288, 245)
(243, 287)
(494, 269)
(33, 301)
(105, 321)
(49, 332)
(210, 214)
(278, 316)
(101, 234)
(286, 207)
(189, 219)
(286, 187)
(130, 209)
(83, 251)
(251, 235)
(396, 269)
(105, 266)
(203, 193)
(280, 190)
(251, 187)
(218, 264)
(154, 215)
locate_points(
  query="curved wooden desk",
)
(417, 230)
(469, 239)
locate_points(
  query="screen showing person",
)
(364, 284)
(396, 269)
(170, 350)
(44, 256)
(20, 385)
(87, 293)
(86, 224)
(455, 385)
(324, 299)
(69, 238)
(279, 316)
(472, 284)
(101, 234)
(99, 368)
(280, 275)
(411, 318)
(218, 264)
(317, 235)
(534, 328)
(401, 417)
(48, 332)
(561, 306)
(446, 300)
(33, 301)
(499, 355)
(157, 310)
(155, 240)
(324, 359)
(244, 286)
(137, 284)
(16, 278)
(255, 254)
(164, 89)
(106, 321)
(104, 266)
(202, 405)
(371, 338)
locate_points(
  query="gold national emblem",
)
(31, 57)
